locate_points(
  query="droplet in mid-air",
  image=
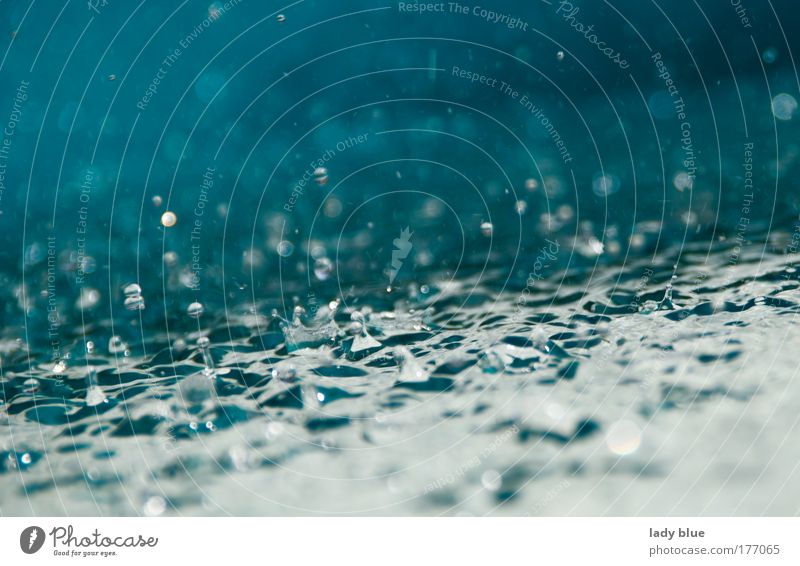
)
(323, 267)
(682, 181)
(487, 229)
(285, 248)
(281, 18)
(560, 55)
(168, 219)
(623, 438)
(134, 303)
(605, 184)
(195, 310)
(215, 10)
(784, 106)
(321, 176)
(133, 297)
(132, 289)
(157, 200)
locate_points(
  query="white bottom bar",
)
(390, 541)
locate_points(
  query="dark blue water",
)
(398, 258)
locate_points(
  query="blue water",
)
(398, 258)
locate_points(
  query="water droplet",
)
(491, 480)
(284, 373)
(784, 106)
(170, 259)
(323, 268)
(321, 176)
(215, 11)
(112, 77)
(168, 219)
(487, 229)
(281, 18)
(26, 459)
(363, 340)
(493, 361)
(154, 506)
(682, 181)
(596, 246)
(60, 367)
(624, 437)
(157, 200)
(521, 206)
(195, 310)
(116, 345)
(531, 184)
(648, 307)
(770, 55)
(134, 303)
(88, 298)
(285, 248)
(208, 361)
(604, 185)
(560, 55)
(95, 396)
(411, 370)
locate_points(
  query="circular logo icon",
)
(31, 539)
